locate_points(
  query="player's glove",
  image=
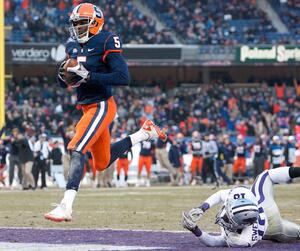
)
(195, 214)
(187, 222)
(80, 71)
(61, 71)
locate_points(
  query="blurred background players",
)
(197, 157)
(145, 160)
(229, 155)
(14, 160)
(210, 153)
(239, 165)
(123, 163)
(26, 160)
(161, 155)
(290, 151)
(56, 155)
(223, 167)
(41, 153)
(260, 156)
(105, 178)
(276, 153)
(175, 157)
(3, 153)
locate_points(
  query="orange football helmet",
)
(86, 20)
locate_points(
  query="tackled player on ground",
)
(247, 215)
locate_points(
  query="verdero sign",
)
(30, 55)
(265, 54)
(35, 53)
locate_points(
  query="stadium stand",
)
(216, 109)
(46, 21)
(289, 11)
(215, 22)
(195, 22)
(37, 108)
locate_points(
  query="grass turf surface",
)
(155, 208)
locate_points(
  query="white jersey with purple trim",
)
(270, 225)
(250, 235)
(262, 188)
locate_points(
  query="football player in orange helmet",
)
(86, 21)
(100, 66)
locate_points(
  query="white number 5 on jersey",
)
(117, 42)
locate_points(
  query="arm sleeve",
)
(61, 83)
(212, 240)
(208, 239)
(119, 73)
(217, 198)
(279, 175)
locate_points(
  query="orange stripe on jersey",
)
(109, 51)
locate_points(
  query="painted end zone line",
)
(32, 239)
(54, 247)
(91, 229)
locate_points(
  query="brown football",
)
(71, 77)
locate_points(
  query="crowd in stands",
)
(289, 12)
(213, 159)
(217, 108)
(47, 21)
(195, 22)
(39, 110)
(215, 22)
(37, 104)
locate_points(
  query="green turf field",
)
(155, 208)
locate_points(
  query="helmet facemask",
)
(224, 221)
(86, 21)
(80, 28)
(238, 214)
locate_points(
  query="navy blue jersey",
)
(146, 147)
(160, 144)
(101, 57)
(259, 150)
(224, 153)
(227, 152)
